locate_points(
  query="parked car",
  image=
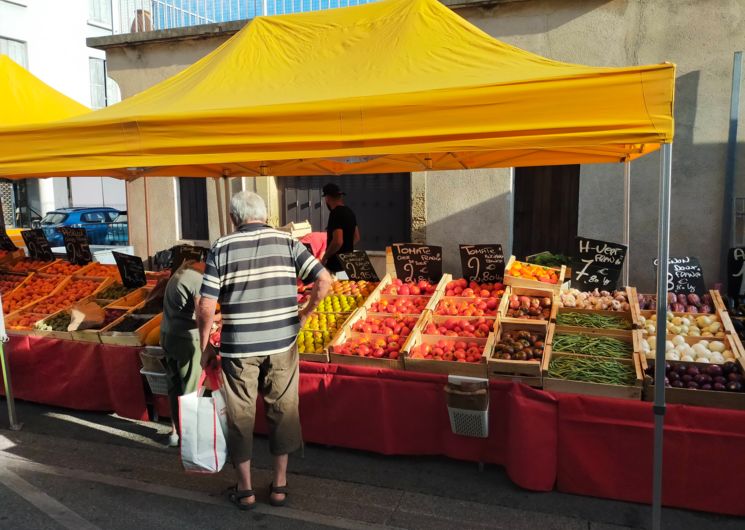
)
(96, 222)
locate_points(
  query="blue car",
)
(96, 221)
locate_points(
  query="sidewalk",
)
(70, 469)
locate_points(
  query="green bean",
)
(590, 370)
(590, 320)
(591, 345)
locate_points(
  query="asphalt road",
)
(69, 469)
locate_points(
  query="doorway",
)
(381, 203)
(546, 210)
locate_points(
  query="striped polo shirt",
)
(253, 274)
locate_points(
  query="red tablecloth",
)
(317, 242)
(578, 444)
(77, 375)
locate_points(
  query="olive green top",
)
(179, 318)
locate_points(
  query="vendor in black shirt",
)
(342, 231)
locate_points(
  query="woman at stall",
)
(179, 337)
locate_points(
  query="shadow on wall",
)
(697, 196)
(475, 225)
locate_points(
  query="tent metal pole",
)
(663, 254)
(8, 385)
(626, 217)
(729, 174)
(220, 207)
(227, 204)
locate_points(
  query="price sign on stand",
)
(37, 244)
(131, 269)
(183, 253)
(76, 245)
(417, 262)
(482, 263)
(597, 264)
(5, 242)
(684, 276)
(358, 266)
(736, 273)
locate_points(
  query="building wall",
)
(698, 35)
(55, 33)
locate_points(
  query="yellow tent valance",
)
(398, 85)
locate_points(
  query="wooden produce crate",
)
(129, 338)
(696, 397)
(345, 334)
(526, 372)
(428, 317)
(534, 284)
(12, 320)
(633, 297)
(624, 315)
(648, 314)
(94, 334)
(323, 357)
(446, 367)
(64, 335)
(63, 281)
(722, 312)
(131, 300)
(525, 291)
(553, 384)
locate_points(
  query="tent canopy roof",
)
(25, 99)
(397, 85)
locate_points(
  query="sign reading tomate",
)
(482, 263)
(414, 262)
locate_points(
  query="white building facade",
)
(48, 37)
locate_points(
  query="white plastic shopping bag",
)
(204, 430)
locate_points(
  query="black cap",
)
(332, 190)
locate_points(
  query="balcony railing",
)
(136, 16)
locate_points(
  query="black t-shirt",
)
(344, 218)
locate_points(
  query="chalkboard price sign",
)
(183, 253)
(597, 264)
(358, 267)
(5, 242)
(736, 273)
(131, 269)
(37, 244)
(482, 263)
(76, 245)
(685, 276)
(417, 262)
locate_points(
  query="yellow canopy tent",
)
(398, 85)
(26, 99)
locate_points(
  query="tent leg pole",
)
(14, 425)
(663, 254)
(626, 217)
(220, 205)
(147, 219)
(227, 205)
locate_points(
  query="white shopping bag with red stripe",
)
(204, 428)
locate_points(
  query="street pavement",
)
(79, 470)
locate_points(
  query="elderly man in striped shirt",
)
(253, 274)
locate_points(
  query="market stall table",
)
(578, 444)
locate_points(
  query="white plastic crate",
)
(158, 382)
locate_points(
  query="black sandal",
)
(281, 490)
(236, 496)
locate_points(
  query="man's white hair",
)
(247, 206)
